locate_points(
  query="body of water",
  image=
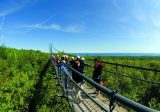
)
(118, 54)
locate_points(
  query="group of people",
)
(78, 64)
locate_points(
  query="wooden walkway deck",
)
(87, 105)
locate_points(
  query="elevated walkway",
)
(91, 102)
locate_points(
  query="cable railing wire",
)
(128, 66)
(132, 77)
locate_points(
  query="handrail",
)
(134, 105)
(129, 66)
(140, 79)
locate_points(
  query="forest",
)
(27, 83)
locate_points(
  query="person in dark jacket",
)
(71, 62)
(77, 79)
(97, 72)
(77, 66)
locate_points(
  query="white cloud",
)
(58, 27)
(73, 28)
(39, 25)
(11, 6)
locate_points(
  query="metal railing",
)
(124, 75)
(129, 66)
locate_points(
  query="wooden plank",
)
(87, 105)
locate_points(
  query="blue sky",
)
(112, 26)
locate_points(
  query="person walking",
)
(97, 73)
(77, 79)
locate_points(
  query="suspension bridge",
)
(108, 101)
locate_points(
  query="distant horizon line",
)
(113, 53)
(117, 54)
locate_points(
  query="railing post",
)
(65, 85)
(112, 103)
(155, 73)
(117, 76)
(57, 67)
(116, 69)
(59, 71)
(154, 89)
